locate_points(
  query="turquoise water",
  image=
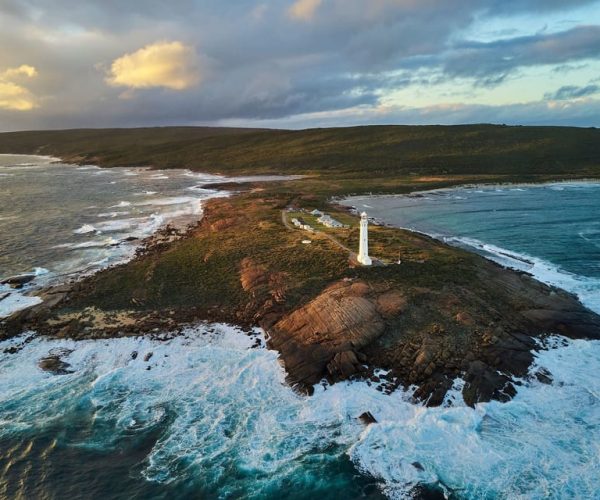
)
(551, 231)
(208, 416)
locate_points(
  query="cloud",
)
(23, 70)
(578, 113)
(14, 96)
(304, 10)
(572, 92)
(275, 60)
(490, 63)
(535, 6)
(171, 65)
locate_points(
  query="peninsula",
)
(442, 313)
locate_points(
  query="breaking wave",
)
(586, 288)
(225, 423)
(206, 414)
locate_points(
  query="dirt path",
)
(285, 220)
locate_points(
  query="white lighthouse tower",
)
(363, 247)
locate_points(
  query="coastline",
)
(30, 292)
(52, 159)
(583, 180)
(443, 375)
(538, 268)
(89, 309)
(31, 285)
(446, 363)
(417, 191)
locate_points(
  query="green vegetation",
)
(241, 254)
(439, 314)
(242, 263)
(355, 159)
(206, 273)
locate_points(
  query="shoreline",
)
(28, 295)
(280, 318)
(170, 229)
(110, 369)
(506, 258)
(483, 185)
(51, 160)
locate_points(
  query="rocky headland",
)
(442, 313)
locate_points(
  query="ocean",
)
(59, 221)
(551, 231)
(205, 415)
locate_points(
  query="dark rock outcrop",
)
(484, 383)
(18, 281)
(54, 364)
(345, 364)
(367, 418)
(325, 336)
(428, 338)
(440, 315)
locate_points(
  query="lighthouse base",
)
(365, 260)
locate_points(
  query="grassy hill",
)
(376, 154)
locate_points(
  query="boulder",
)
(18, 281)
(54, 364)
(484, 383)
(343, 365)
(324, 336)
(338, 316)
(367, 418)
(252, 275)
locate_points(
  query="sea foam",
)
(121, 204)
(586, 288)
(86, 228)
(224, 406)
(15, 301)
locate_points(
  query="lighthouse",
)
(363, 247)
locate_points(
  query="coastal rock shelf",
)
(432, 336)
(327, 334)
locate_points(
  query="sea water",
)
(58, 221)
(206, 415)
(551, 231)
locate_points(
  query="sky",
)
(298, 63)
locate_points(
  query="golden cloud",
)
(304, 10)
(14, 96)
(172, 65)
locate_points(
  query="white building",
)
(316, 213)
(328, 221)
(363, 246)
